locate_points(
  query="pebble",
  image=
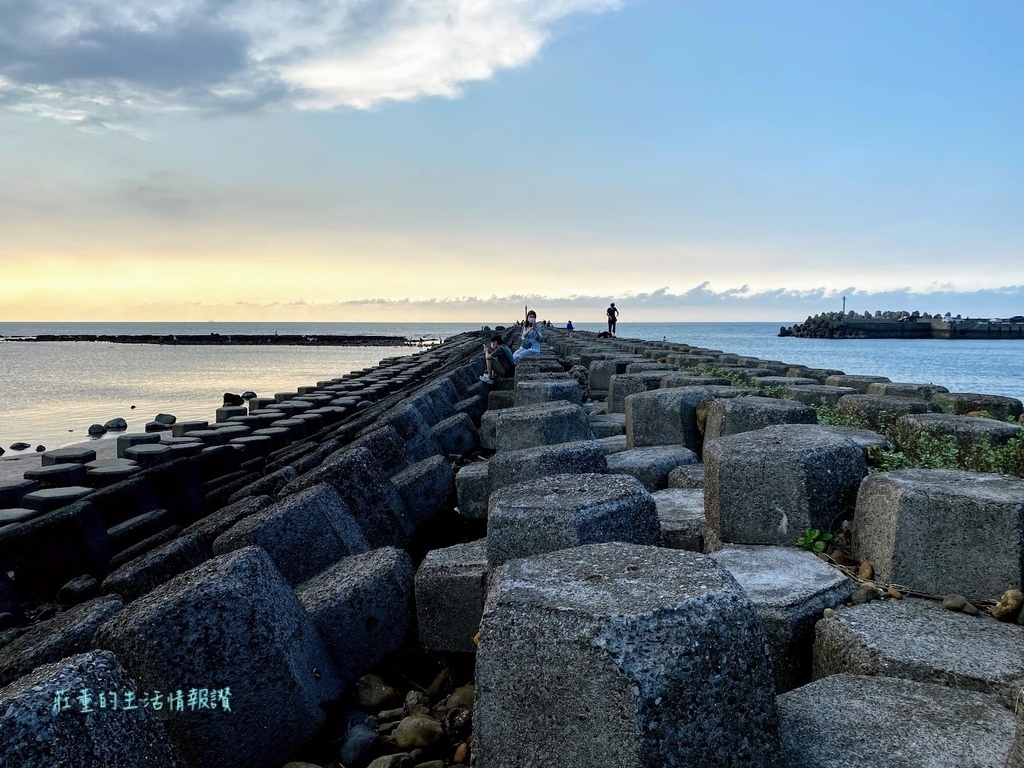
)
(462, 698)
(40, 449)
(461, 754)
(1009, 605)
(828, 613)
(954, 602)
(894, 593)
(970, 609)
(866, 570)
(431, 764)
(359, 743)
(863, 595)
(417, 703)
(374, 694)
(418, 731)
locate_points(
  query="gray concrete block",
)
(683, 379)
(268, 485)
(537, 392)
(961, 403)
(818, 374)
(790, 589)
(451, 585)
(512, 467)
(682, 522)
(410, 425)
(816, 394)
(860, 383)
(665, 417)
(607, 424)
(472, 490)
(49, 641)
(212, 526)
(134, 579)
(363, 608)
(457, 435)
(624, 384)
(651, 466)
(905, 389)
(865, 438)
(386, 446)
(566, 511)
(687, 476)
(233, 622)
(940, 531)
(370, 496)
(852, 720)
(427, 488)
(586, 642)
(966, 429)
(498, 399)
(532, 426)
(781, 383)
(613, 444)
(600, 372)
(745, 414)
(302, 534)
(922, 641)
(124, 442)
(34, 734)
(474, 407)
(768, 486)
(877, 410)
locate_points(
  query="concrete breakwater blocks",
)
(457, 435)
(745, 414)
(303, 534)
(651, 465)
(922, 641)
(966, 429)
(905, 389)
(472, 490)
(144, 574)
(233, 622)
(854, 720)
(363, 608)
(538, 391)
(876, 409)
(860, 383)
(812, 394)
(427, 488)
(34, 734)
(623, 385)
(682, 521)
(790, 588)
(387, 447)
(665, 417)
(997, 406)
(512, 429)
(565, 511)
(767, 486)
(512, 467)
(411, 426)
(586, 641)
(939, 531)
(451, 585)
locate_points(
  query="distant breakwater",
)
(217, 339)
(903, 325)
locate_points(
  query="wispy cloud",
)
(97, 63)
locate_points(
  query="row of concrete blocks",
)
(310, 588)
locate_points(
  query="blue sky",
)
(436, 159)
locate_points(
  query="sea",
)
(51, 392)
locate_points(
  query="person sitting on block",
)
(499, 360)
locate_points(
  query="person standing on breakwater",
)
(613, 318)
(530, 343)
(500, 363)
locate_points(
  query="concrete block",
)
(387, 448)
(474, 407)
(410, 425)
(212, 526)
(790, 589)
(683, 379)
(472, 490)
(451, 585)
(820, 375)
(68, 456)
(877, 410)
(967, 430)
(427, 488)
(665, 417)
(216, 625)
(124, 442)
(144, 574)
(682, 521)
(860, 383)
(532, 426)
(586, 641)
(457, 435)
(613, 444)
(607, 424)
(624, 384)
(865, 438)
(651, 466)
(687, 476)
(539, 391)
(302, 534)
(745, 414)
(816, 394)
(34, 735)
(940, 531)
(905, 389)
(566, 511)
(781, 383)
(268, 485)
(370, 496)
(922, 641)
(512, 467)
(997, 407)
(363, 608)
(768, 486)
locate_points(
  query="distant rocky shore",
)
(237, 339)
(904, 325)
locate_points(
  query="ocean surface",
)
(50, 392)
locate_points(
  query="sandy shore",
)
(13, 468)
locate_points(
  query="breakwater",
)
(238, 339)
(902, 325)
(610, 533)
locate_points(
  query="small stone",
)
(441, 683)
(866, 571)
(417, 703)
(359, 743)
(419, 731)
(462, 698)
(954, 602)
(863, 595)
(870, 585)
(40, 449)
(165, 418)
(1009, 605)
(116, 425)
(458, 723)
(97, 429)
(401, 760)
(374, 694)
(828, 613)
(970, 609)
(461, 754)
(842, 558)
(19, 446)
(391, 714)
(894, 593)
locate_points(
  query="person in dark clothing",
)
(500, 363)
(613, 317)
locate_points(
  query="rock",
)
(970, 609)
(97, 429)
(359, 743)
(461, 756)
(165, 418)
(373, 694)
(248, 395)
(894, 593)
(19, 446)
(954, 602)
(78, 590)
(462, 698)
(866, 571)
(416, 703)
(419, 731)
(230, 399)
(401, 760)
(116, 425)
(40, 449)
(863, 595)
(458, 723)
(1009, 605)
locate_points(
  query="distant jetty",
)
(904, 325)
(237, 339)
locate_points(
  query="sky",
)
(417, 160)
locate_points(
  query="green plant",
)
(814, 540)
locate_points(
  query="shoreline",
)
(217, 339)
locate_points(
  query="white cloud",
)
(82, 59)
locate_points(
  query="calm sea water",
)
(51, 392)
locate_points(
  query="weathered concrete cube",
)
(651, 466)
(922, 641)
(682, 521)
(674, 380)
(876, 410)
(565, 511)
(410, 425)
(387, 447)
(687, 476)
(303, 534)
(665, 417)
(457, 435)
(233, 622)
(744, 414)
(363, 608)
(587, 641)
(512, 467)
(767, 486)
(781, 382)
(899, 724)
(997, 406)
(790, 588)
(601, 371)
(607, 424)
(816, 394)
(532, 426)
(221, 521)
(905, 389)
(967, 430)
(33, 734)
(427, 488)
(624, 384)
(540, 391)
(472, 490)
(940, 531)
(820, 375)
(451, 585)
(860, 383)
(134, 579)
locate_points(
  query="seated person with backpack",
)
(499, 361)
